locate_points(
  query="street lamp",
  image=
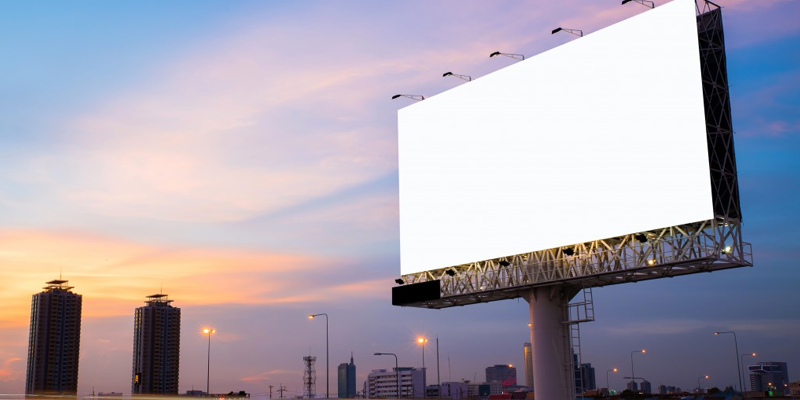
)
(327, 355)
(422, 341)
(735, 342)
(698, 382)
(463, 77)
(642, 2)
(396, 369)
(633, 375)
(608, 387)
(576, 32)
(510, 55)
(208, 331)
(742, 359)
(417, 97)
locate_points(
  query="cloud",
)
(9, 370)
(778, 328)
(114, 275)
(268, 375)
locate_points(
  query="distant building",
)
(505, 374)
(664, 389)
(382, 383)
(633, 386)
(766, 375)
(585, 378)
(347, 379)
(454, 390)
(527, 350)
(54, 340)
(645, 387)
(156, 347)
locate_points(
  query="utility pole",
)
(270, 392)
(281, 389)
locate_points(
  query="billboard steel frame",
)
(679, 250)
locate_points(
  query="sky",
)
(241, 157)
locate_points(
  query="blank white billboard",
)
(601, 137)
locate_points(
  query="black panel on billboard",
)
(416, 293)
(719, 128)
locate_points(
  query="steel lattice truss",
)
(679, 250)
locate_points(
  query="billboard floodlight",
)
(410, 96)
(399, 281)
(464, 77)
(450, 272)
(511, 55)
(641, 237)
(504, 263)
(645, 3)
(569, 251)
(576, 32)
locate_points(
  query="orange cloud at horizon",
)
(114, 274)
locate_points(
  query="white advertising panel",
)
(600, 137)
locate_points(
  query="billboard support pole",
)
(553, 375)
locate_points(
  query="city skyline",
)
(243, 157)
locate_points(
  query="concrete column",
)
(550, 341)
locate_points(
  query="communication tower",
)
(309, 377)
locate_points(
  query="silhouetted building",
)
(528, 354)
(156, 347)
(505, 374)
(769, 376)
(347, 380)
(632, 386)
(584, 378)
(645, 387)
(54, 340)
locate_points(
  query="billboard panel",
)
(601, 137)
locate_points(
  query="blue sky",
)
(243, 155)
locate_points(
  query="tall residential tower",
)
(54, 340)
(156, 347)
(347, 380)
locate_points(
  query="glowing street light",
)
(422, 341)
(208, 331)
(633, 375)
(698, 383)
(607, 371)
(742, 359)
(646, 3)
(327, 355)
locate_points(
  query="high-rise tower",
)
(54, 340)
(528, 354)
(347, 379)
(156, 347)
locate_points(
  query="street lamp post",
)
(608, 386)
(327, 355)
(742, 359)
(396, 369)
(738, 365)
(208, 331)
(698, 382)
(438, 376)
(633, 375)
(422, 341)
